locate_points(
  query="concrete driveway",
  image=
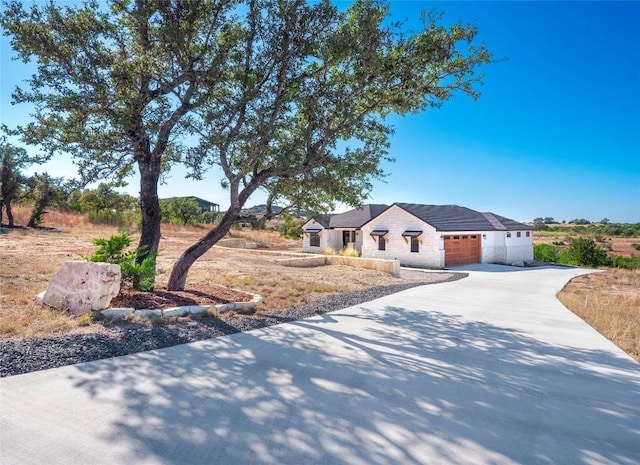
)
(491, 369)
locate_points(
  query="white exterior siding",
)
(518, 249)
(492, 247)
(498, 247)
(397, 221)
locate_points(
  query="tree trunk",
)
(178, 278)
(7, 205)
(150, 210)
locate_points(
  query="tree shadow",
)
(360, 386)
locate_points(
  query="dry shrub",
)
(610, 302)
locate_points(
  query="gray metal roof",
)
(354, 219)
(456, 218)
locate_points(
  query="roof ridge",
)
(495, 222)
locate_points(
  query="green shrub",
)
(630, 263)
(291, 228)
(545, 253)
(141, 275)
(584, 252)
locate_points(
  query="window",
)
(415, 245)
(518, 234)
(508, 234)
(382, 243)
(528, 234)
(314, 239)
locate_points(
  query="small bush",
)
(629, 263)
(349, 252)
(328, 251)
(584, 252)
(545, 253)
(141, 275)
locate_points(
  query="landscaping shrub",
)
(141, 275)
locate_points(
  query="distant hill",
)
(259, 210)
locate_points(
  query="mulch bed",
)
(161, 299)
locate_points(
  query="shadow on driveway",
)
(399, 387)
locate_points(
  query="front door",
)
(348, 238)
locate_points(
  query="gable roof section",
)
(323, 220)
(456, 218)
(357, 217)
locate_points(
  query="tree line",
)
(603, 227)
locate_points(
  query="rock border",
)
(116, 313)
(182, 311)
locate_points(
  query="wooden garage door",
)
(461, 249)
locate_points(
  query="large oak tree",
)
(283, 95)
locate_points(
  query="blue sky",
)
(556, 131)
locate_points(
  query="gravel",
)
(123, 337)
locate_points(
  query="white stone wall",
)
(519, 249)
(326, 237)
(498, 247)
(397, 221)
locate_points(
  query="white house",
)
(338, 232)
(442, 236)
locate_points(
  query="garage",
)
(461, 249)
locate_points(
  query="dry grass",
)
(610, 302)
(30, 258)
(614, 245)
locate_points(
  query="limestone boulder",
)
(83, 287)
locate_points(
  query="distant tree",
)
(291, 227)
(580, 221)
(604, 221)
(183, 210)
(549, 220)
(105, 198)
(12, 160)
(539, 224)
(44, 190)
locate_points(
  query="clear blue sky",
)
(556, 131)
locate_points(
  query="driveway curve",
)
(490, 369)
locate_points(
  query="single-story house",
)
(338, 232)
(435, 236)
(442, 236)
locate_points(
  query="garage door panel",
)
(462, 249)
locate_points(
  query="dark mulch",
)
(162, 299)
